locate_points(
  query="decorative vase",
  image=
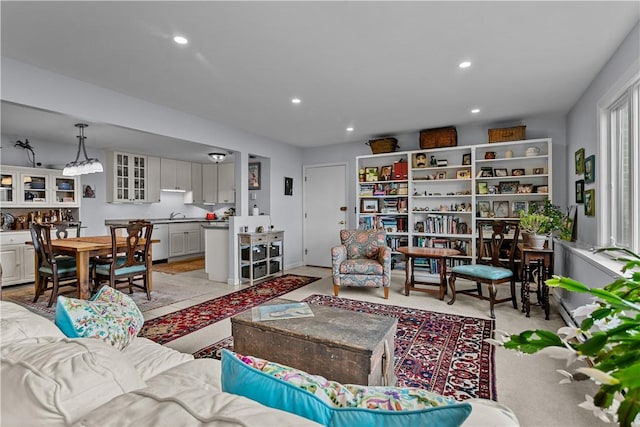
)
(537, 241)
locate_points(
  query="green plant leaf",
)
(593, 345)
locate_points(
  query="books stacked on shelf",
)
(394, 242)
(366, 190)
(394, 224)
(443, 224)
(367, 222)
(389, 206)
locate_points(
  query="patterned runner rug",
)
(441, 352)
(182, 322)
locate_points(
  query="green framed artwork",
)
(590, 169)
(590, 202)
(580, 191)
(580, 161)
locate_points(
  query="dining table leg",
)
(82, 274)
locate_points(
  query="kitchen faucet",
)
(174, 215)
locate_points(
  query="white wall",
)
(582, 124)
(35, 87)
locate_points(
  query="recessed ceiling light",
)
(350, 129)
(475, 110)
(296, 100)
(465, 64)
(180, 40)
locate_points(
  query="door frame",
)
(304, 198)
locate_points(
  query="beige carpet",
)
(180, 266)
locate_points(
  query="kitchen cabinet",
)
(184, 239)
(27, 187)
(218, 183)
(175, 175)
(17, 258)
(196, 182)
(160, 250)
(153, 176)
(127, 179)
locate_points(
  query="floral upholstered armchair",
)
(363, 259)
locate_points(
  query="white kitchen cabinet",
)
(160, 250)
(175, 175)
(127, 179)
(28, 187)
(17, 258)
(219, 183)
(210, 183)
(153, 176)
(196, 182)
(184, 239)
(8, 187)
(226, 183)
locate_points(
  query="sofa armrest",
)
(487, 413)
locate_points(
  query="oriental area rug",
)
(444, 353)
(164, 329)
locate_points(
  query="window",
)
(620, 179)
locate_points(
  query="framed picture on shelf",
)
(483, 188)
(486, 172)
(517, 172)
(441, 175)
(501, 209)
(369, 206)
(463, 174)
(579, 158)
(386, 173)
(254, 176)
(419, 227)
(538, 171)
(420, 160)
(543, 189)
(518, 206)
(371, 174)
(536, 206)
(590, 169)
(484, 207)
(525, 188)
(500, 172)
(466, 159)
(508, 187)
(589, 201)
(580, 191)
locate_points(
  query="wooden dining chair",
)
(61, 271)
(495, 264)
(130, 265)
(64, 227)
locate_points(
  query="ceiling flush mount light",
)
(350, 129)
(475, 110)
(217, 157)
(180, 40)
(465, 64)
(296, 100)
(82, 167)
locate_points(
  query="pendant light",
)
(85, 166)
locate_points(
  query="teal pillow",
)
(110, 315)
(333, 404)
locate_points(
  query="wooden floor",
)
(180, 266)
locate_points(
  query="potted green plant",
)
(538, 224)
(608, 335)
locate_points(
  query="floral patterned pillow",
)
(110, 316)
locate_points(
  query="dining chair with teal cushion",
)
(129, 265)
(494, 265)
(61, 271)
(63, 229)
(363, 259)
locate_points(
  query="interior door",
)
(325, 210)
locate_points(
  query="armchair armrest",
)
(338, 256)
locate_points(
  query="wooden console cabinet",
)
(261, 254)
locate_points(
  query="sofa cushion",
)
(150, 358)
(361, 266)
(53, 381)
(363, 243)
(16, 322)
(333, 404)
(110, 315)
(188, 395)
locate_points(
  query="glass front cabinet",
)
(26, 187)
(126, 177)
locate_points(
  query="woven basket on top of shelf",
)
(515, 133)
(383, 145)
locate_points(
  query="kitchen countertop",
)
(216, 222)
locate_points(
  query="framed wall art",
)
(500, 172)
(371, 174)
(580, 191)
(288, 186)
(484, 207)
(590, 202)
(501, 209)
(386, 173)
(508, 187)
(369, 206)
(590, 169)
(466, 159)
(254, 176)
(579, 157)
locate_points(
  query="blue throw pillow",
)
(333, 404)
(110, 315)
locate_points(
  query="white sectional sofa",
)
(48, 379)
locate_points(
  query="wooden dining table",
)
(83, 248)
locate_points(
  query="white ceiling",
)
(382, 67)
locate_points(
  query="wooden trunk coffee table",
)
(439, 254)
(340, 345)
